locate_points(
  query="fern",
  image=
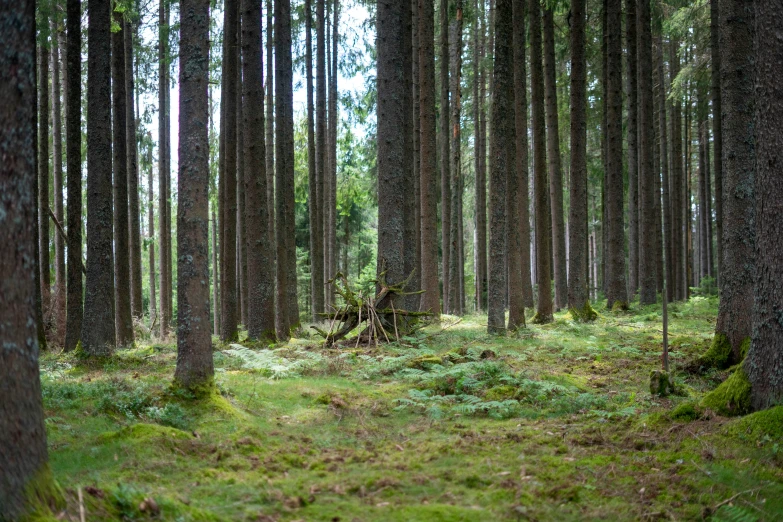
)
(734, 513)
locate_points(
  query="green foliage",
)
(272, 364)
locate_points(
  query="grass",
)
(553, 423)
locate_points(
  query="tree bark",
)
(678, 222)
(633, 153)
(734, 323)
(134, 212)
(331, 151)
(261, 283)
(717, 129)
(164, 167)
(58, 298)
(480, 248)
(555, 170)
(24, 476)
(73, 151)
(270, 126)
(242, 255)
(445, 148)
(98, 328)
(616, 289)
(313, 201)
(151, 238)
(322, 180)
(122, 289)
(764, 365)
(665, 181)
(44, 260)
(430, 300)
(455, 158)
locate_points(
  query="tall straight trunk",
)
(455, 159)
(394, 91)
(331, 152)
(260, 285)
(616, 289)
(134, 211)
(314, 199)
(122, 312)
(657, 190)
(270, 124)
(734, 325)
(415, 282)
(765, 371)
(558, 238)
(708, 163)
(578, 297)
(323, 189)
(717, 127)
(228, 284)
(604, 143)
(428, 154)
(480, 248)
(58, 298)
(26, 482)
(287, 306)
(164, 167)
(665, 181)
(195, 368)
(678, 193)
(541, 185)
(633, 153)
(648, 251)
(242, 254)
(151, 236)
(98, 329)
(409, 212)
(215, 277)
(73, 152)
(701, 124)
(44, 115)
(445, 147)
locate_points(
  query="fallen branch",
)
(62, 233)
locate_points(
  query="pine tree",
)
(633, 151)
(134, 212)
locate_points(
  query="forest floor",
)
(553, 423)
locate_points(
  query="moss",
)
(203, 390)
(719, 353)
(686, 411)
(541, 319)
(619, 306)
(767, 423)
(500, 393)
(424, 362)
(744, 347)
(732, 397)
(42, 496)
(145, 432)
(584, 314)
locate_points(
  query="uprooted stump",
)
(384, 321)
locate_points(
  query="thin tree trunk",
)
(428, 153)
(73, 152)
(270, 125)
(322, 180)
(134, 211)
(558, 238)
(58, 298)
(445, 147)
(480, 248)
(43, 181)
(717, 129)
(164, 167)
(633, 153)
(455, 159)
(701, 124)
(331, 153)
(242, 254)
(678, 193)
(665, 182)
(314, 199)
(151, 237)
(98, 328)
(415, 282)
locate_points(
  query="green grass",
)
(555, 422)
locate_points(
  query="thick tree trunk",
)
(578, 297)
(122, 289)
(558, 239)
(455, 158)
(242, 254)
(765, 358)
(543, 215)
(734, 323)
(73, 151)
(633, 153)
(444, 114)
(24, 475)
(261, 283)
(270, 126)
(501, 136)
(134, 212)
(616, 289)
(428, 153)
(287, 306)
(228, 239)
(195, 369)
(58, 296)
(648, 251)
(98, 328)
(415, 283)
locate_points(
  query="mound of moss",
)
(686, 411)
(720, 354)
(760, 424)
(732, 397)
(584, 314)
(144, 431)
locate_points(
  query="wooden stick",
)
(62, 233)
(82, 518)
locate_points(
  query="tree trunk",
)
(717, 129)
(321, 180)
(58, 298)
(665, 182)
(24, 476)
(270, 127)
(445, 147)
(122, 288)
(764, 367)
(633, 153)
(228, 239)
(73, 152)
(648, 251)
(288, 308)
(480, 248)
(314, 201)
(616, 289)
(331, 152)
(261, 285)
(455, 158)
(733, 327)
(678, 222)
(428, 152)
(151, 237)
(195, 369)
(134, 212)
(164, 167)
(98, 328)
(242, 253)
(43, 181)
(415, 282)
(701, 124)
(555, 170)
(543, 215)
(578, 297)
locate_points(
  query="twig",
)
(81, 506)
(394, 316)
(732, 498)
(62, 233)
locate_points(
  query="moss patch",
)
(619, 306)
(720, 354)
(767, 423)
(145, 432)
(43, 496)
(686, 411)
(541, 319)
(584, 314)
(732, 397)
